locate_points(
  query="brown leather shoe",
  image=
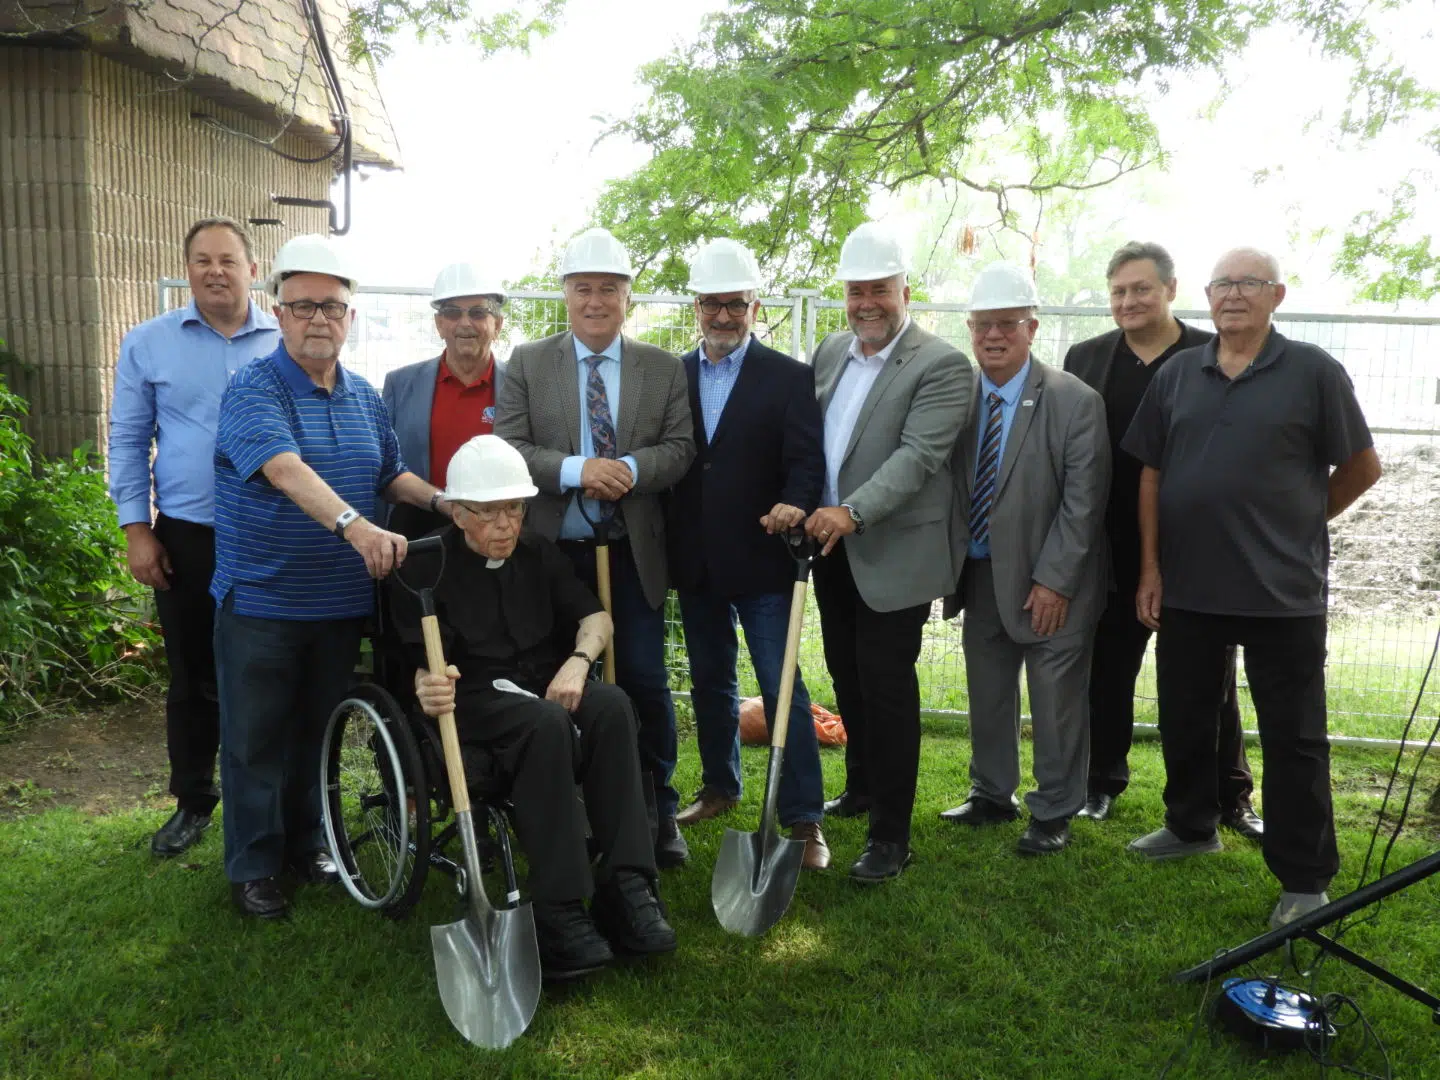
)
(708, 803)
(817, 852)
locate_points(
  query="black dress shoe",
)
(880, 861)
(628, 912)
(570, 944)
(179, 834)
(978, 811)
(261, 898)
(671, 850)
(1097, 807)
(316, 868)
(1243, 820)
(847, 805)
(1044, 837)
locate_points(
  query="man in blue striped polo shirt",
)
(304, 450)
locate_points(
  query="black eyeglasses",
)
(1248, 287)
(452, 312)
(334, 310)
(734, 307)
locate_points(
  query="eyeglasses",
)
(489, 513)
(1222, 287)
(734, 307)
(452, 312)
(981, 327)
(305, 309)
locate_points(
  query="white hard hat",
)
(464, 279)
(596, 251)
(310, 254)
(723, 266)
(488, 469)
(870, 253)
(1003, 285)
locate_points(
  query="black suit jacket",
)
(768, 449)
(1092, 358)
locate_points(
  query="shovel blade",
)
(754, 879)
(488, 970)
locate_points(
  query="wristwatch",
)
(435, 501)
(577, 654)
(347, 517)
(855, 517)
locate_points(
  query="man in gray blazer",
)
(440, 404)
(603, 422)
(892, 397)
(1033, 469)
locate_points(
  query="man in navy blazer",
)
(758, 471)
(440, 404)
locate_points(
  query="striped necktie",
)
(597, 405)
(987, 469)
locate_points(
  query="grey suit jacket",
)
(538, 412)
(1047, 524)
(896, 468)
(409, 394)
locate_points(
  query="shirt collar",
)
(1011, 391)
(301, 385)
(255, 319)
(735, 356)
(444, 372)
(610, 352)
(884, 354)
(1269, 353)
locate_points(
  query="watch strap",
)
(347, 517)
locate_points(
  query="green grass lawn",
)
(976, 963)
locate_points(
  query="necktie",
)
(987, 468)
(597, 405)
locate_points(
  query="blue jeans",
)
(279, 680)
(713, 649)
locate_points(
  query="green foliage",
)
(1387, 254)
(373, 23)
(73, 623)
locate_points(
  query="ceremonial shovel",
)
(602, 569)
(756, 873)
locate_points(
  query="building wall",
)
(102, 170)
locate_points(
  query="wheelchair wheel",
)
(377, 810)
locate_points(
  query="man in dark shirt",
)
(1120, 364)
(1250, 444)
(522, 633)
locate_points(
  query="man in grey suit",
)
(603, 422)
(892, 397)
(440, 404)
(1033, 467)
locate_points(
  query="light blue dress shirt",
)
(1010, 398)
(843, 411)
(716, 382)
(172, 372)
(574, 526)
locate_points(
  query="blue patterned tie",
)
(602, 427)
(987, 469)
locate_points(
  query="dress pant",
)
(871, 657)
(279, 681)
(639, 662)
(712, 647)
(543, 751)
(187, 622)
(1285, 666)
(1120, 640)
(1057, 669)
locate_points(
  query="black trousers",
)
(187, 622)
(871, 658)
(533, 745)
(1285, 665)
(1120, 640)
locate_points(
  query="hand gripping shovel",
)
(602, 526)
(488, 962)
(756, 873)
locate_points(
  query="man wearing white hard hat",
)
(893, 397)
(603, 420)
(521, 632)
(1033, 472)
(439, 404)
(303, 454)
(758, 470)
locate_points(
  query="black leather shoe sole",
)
(1043, 839)
(847, 806)
(179, 834)
(980, 812)
(871, 870)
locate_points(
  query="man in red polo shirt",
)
(438, 405)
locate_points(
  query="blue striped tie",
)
(987, 469)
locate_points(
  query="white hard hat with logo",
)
(870, 253)
(1003, 285)
(464, 279)
(488, 469)
(596, 251)
(310, 254)
(723, 266)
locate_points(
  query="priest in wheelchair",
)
(522, 633)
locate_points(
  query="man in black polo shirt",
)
(1250, 444)
(1120, 365)
(523, 632)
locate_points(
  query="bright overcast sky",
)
(501, 162)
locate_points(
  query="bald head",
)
(1244, 291)
(1257, 263)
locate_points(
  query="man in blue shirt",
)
(171, 373)
(304, 449)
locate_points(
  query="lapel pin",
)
(1028, 401)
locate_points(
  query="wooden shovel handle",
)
(781, 727)
(449, 738)
(602, 586)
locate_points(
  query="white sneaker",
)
(1294, 904)
(1164, 844)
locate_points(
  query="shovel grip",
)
(781, 728)
(449, 738)
(602, 586)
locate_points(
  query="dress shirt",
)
(172, 372)
(845, 404)
(458, 413)
(716, 382)
(574, 526)
(1010, 405)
